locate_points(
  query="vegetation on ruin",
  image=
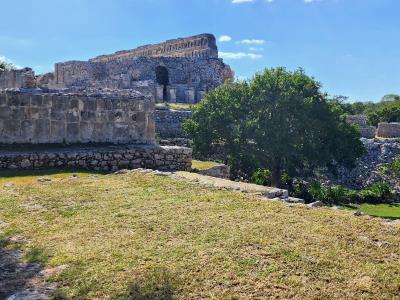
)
(141, 236)
(280, 121)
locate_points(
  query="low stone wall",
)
(104, 158)
(169, 123)
(221, 171)
(357, 119)
(35, 117)
(368, 132)
(388, 130)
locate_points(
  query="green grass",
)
(387, 211)
(203, 165)
(176, 106)
(138, 236)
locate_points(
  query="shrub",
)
(262, 177)
(376, 193)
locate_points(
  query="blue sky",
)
(351, 46)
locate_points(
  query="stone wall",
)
(388, 130)
(169, 123)
(37, 118)
(203, 45)
(23, 78)
(361, 121)
(110, 158)
(187, 79)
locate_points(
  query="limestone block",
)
(190, 95)
(159, 93)
(172, 94)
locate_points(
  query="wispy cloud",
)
(241, 1)
(256, 49)
(239, 55)
(224, 38)
(252, 42)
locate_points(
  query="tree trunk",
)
(276, 174)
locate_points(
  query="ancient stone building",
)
(179, 70)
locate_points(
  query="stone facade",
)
(37, 117)
(203, 45)
(14, 79)
(366, 131)
(180, 70)
(111, 158)
(169, 123)
(388, 130)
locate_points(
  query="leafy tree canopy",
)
(5, 66)
(279, 121)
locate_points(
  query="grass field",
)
(141, 236)
(387, 211)
(203, 165)
(176, 106)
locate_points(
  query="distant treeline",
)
(386, 110)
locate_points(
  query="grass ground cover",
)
(176, 106)
(138, 236)
(203, 165)
(387, 211)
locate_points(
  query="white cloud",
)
(9, 61)
(252, 42)
(241, 1)
(224, 38)
(311, 1)
(256, 49)
(239, 55)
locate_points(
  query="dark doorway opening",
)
(162, 78)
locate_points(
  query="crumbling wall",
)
(169, 123)
(366, 131)
(203, 45)
(75, 118)
(388, 130)
(22, 78)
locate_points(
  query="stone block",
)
(172, 94)
(72, 133)
(42, 131)
(190, 95)
(5, 112)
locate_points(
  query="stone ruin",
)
(179, 70)
(384, 130)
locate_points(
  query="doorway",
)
(162, 78)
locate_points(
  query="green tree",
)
(279, 121)
(5, 66)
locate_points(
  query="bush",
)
(376, 193)
(262, 177)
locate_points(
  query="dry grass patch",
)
(142, 236)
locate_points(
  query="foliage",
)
(387, 110)
(337, 194)
(262, 177)
(279, 121)
(5, 66)
(376, 193)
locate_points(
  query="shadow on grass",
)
(157, 283)
(44, 172)
(17, 271)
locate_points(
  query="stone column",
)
(200, 95)
(172, 94)
(159, 93)
(190, 95)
